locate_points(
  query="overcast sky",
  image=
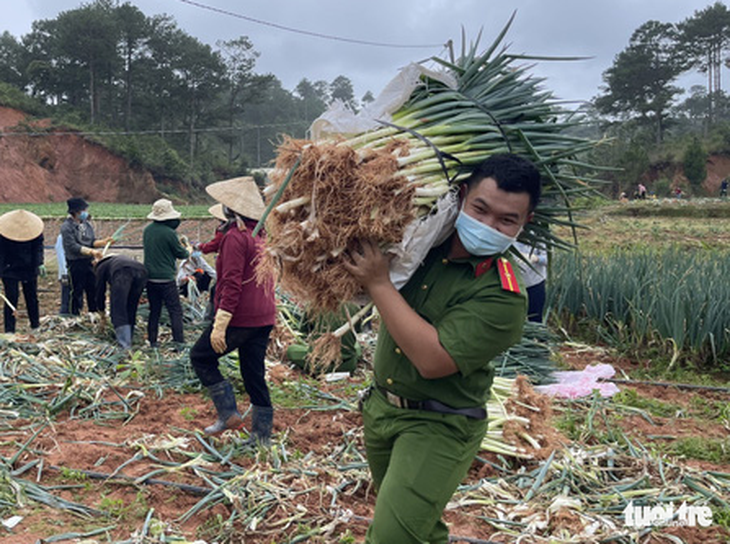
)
(599, 29)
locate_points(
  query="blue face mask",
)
(480, 239)
(84, 215)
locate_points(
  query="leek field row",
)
(676, 298)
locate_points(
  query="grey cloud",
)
(597, 29)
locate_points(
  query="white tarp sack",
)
(341, 120)
(420, 236)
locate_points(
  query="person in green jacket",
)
(162, 248)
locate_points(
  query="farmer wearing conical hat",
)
(21, 261)
(81, 247)
(162, 248)
(245, 312)
(425, 418)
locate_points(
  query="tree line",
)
(107, 64)
(653, 120)
(640, 82)
(189, 110)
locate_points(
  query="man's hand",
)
(368, 265)
(218, 334)
(415, 336)
(103, 242)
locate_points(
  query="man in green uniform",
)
(424, 418)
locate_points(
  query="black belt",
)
(430, 405)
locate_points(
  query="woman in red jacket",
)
(245, 314)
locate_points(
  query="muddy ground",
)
(96, 462)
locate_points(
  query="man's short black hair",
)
(512, 173)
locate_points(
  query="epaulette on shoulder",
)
(507, 276)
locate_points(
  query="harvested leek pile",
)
(108, 446)
(300, 490)
(532, 357)
(328, 194)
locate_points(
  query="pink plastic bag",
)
(573, 384)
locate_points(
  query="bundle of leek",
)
(118, 235)
(371, 186)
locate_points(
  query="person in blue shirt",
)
(63, 277)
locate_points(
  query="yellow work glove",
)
(218, 334)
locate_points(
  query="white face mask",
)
(480, 239)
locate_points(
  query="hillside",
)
(55, 166)
(718, 168)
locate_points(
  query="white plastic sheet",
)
(420, 236)
(341, 120)
(12, 521)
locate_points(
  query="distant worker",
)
(81, 247)
(534, 276)
(245, 315)
(723, 188)
(641, 191)
(63, 280)
(127, 279)
(196, 269)
(21, 262)
(214, 245)
(162, 248)
(216, 210)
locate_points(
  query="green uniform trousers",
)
(417, 460)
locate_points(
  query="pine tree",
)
(694, 162)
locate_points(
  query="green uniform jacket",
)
(476, 319)
(161, 249)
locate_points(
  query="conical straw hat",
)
(241, 195)
(216, 210)
(20, 225)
